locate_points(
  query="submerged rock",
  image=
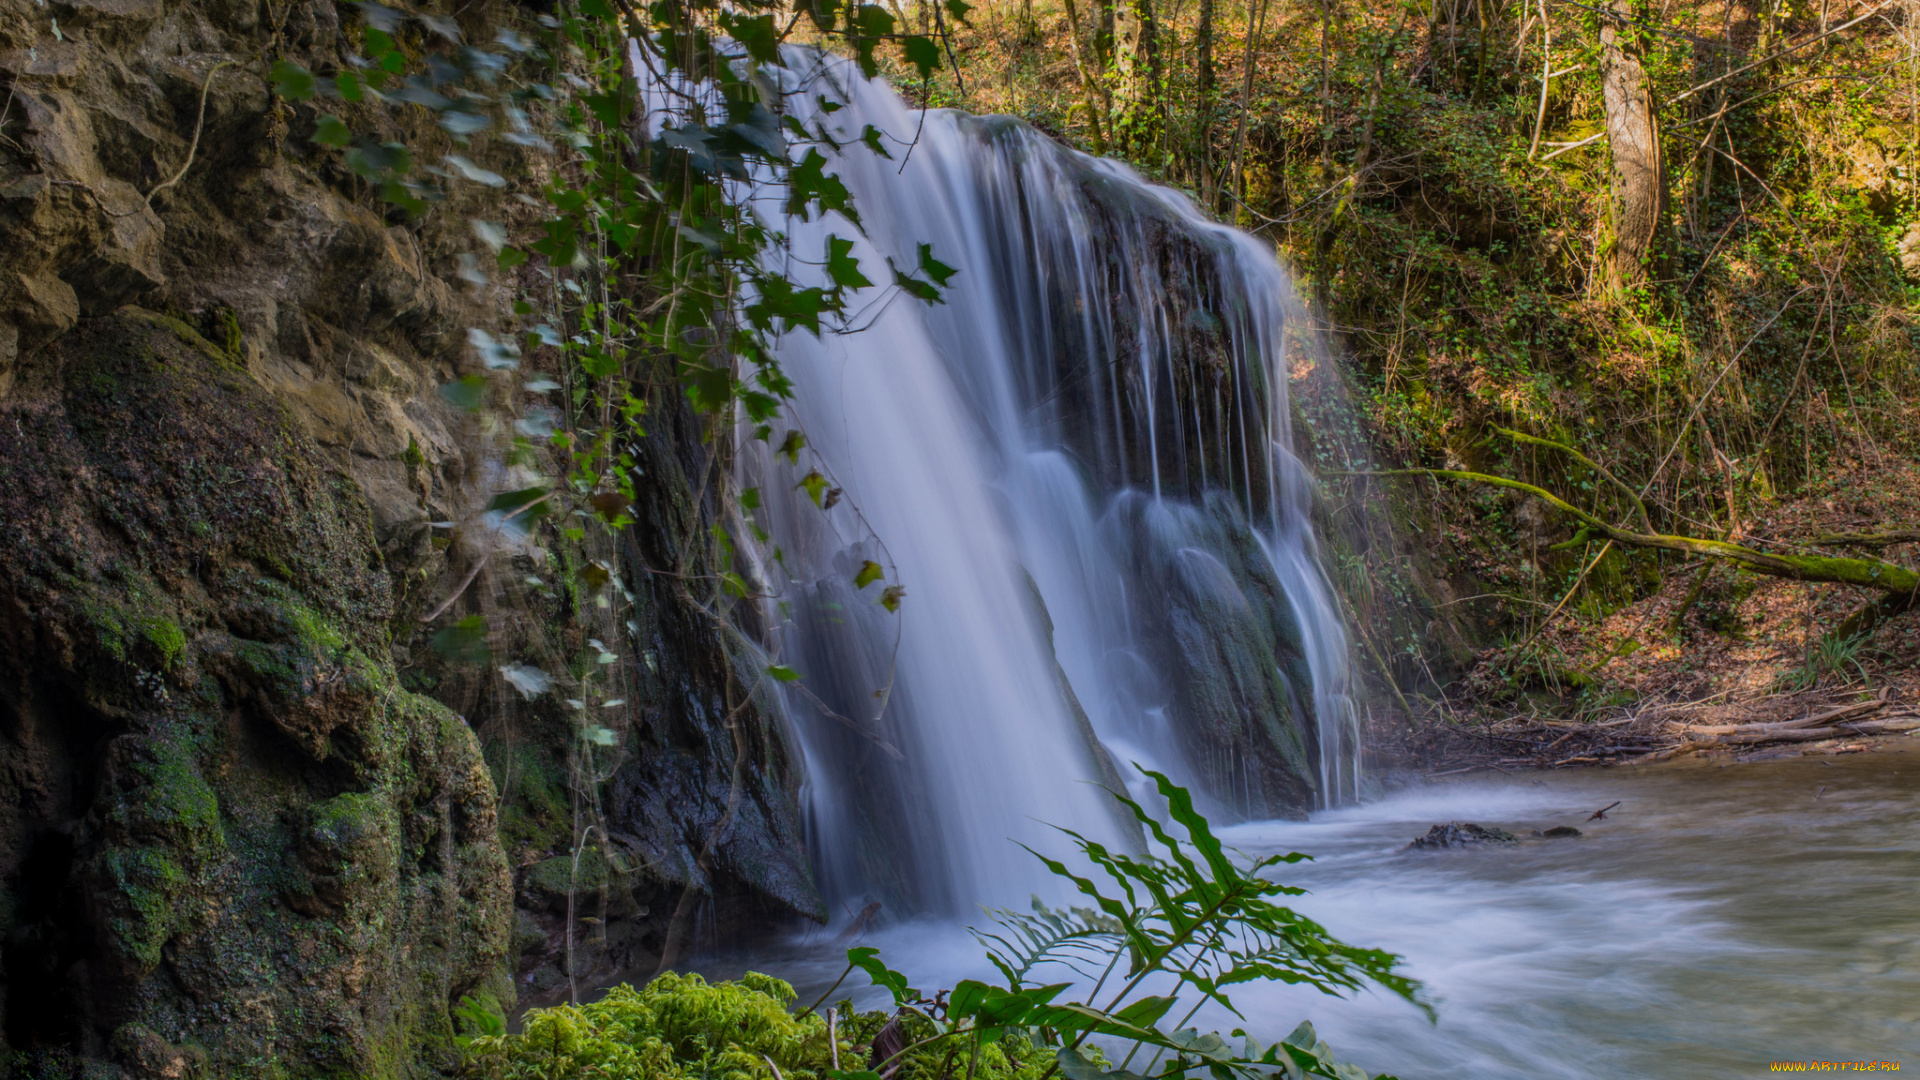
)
(1558, 832)
(1458, 834)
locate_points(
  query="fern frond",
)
(1066, 936)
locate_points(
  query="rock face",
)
(229, 834)
(248, 819)
(1456, 834)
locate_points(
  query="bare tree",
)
(1639, 178)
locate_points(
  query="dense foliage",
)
(1451, 217)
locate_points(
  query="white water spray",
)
(1079, 467)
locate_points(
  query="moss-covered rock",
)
(230, 840)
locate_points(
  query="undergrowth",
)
(1193, 924)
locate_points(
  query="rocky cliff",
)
(250, 824)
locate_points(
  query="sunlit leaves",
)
(814, 484)
(870, 572)
(1191, 919)
(783, 674)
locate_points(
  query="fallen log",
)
(1857, 709)
(1863, 573)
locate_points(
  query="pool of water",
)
(1718, 919)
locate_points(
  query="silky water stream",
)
(1080, 467)
(1716, 921)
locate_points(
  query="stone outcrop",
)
(250, 823)
(229, 834)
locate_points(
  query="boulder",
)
(1458, 834)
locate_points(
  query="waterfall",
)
(1079, 467)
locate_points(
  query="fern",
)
(1072, 937)
(1191, 914)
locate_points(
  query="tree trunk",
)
(1203, 44)
(1202, 138)
(1639, 179)
(1136, 108)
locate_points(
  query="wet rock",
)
(230, 818)
(1458, 834)
(1558, 832)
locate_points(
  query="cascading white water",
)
(1079, 467)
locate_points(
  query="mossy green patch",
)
(679, 1027)
(165, 636)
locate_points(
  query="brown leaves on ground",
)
(1750, 650)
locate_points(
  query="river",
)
(1718, 919)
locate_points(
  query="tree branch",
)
(1638, 506)
(1863, 573)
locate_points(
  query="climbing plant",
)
(637, 254)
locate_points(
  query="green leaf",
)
(940, 272)
(783, 673)
(958, 9)
(791, 446)
(809, 184)
(464, 642)
(468, 393)
(521, 503)
(870, 572)
(815, 485)
(914, 287)
(762, 41)
(1075, 1067)
(842, 266)
(823, 13)
(750, 498)
(331, 132)
(1146, 1012)
(871, 23)
(890, 597)
(872, 136)
(867, 959)
(922, 53)
(291, 81)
